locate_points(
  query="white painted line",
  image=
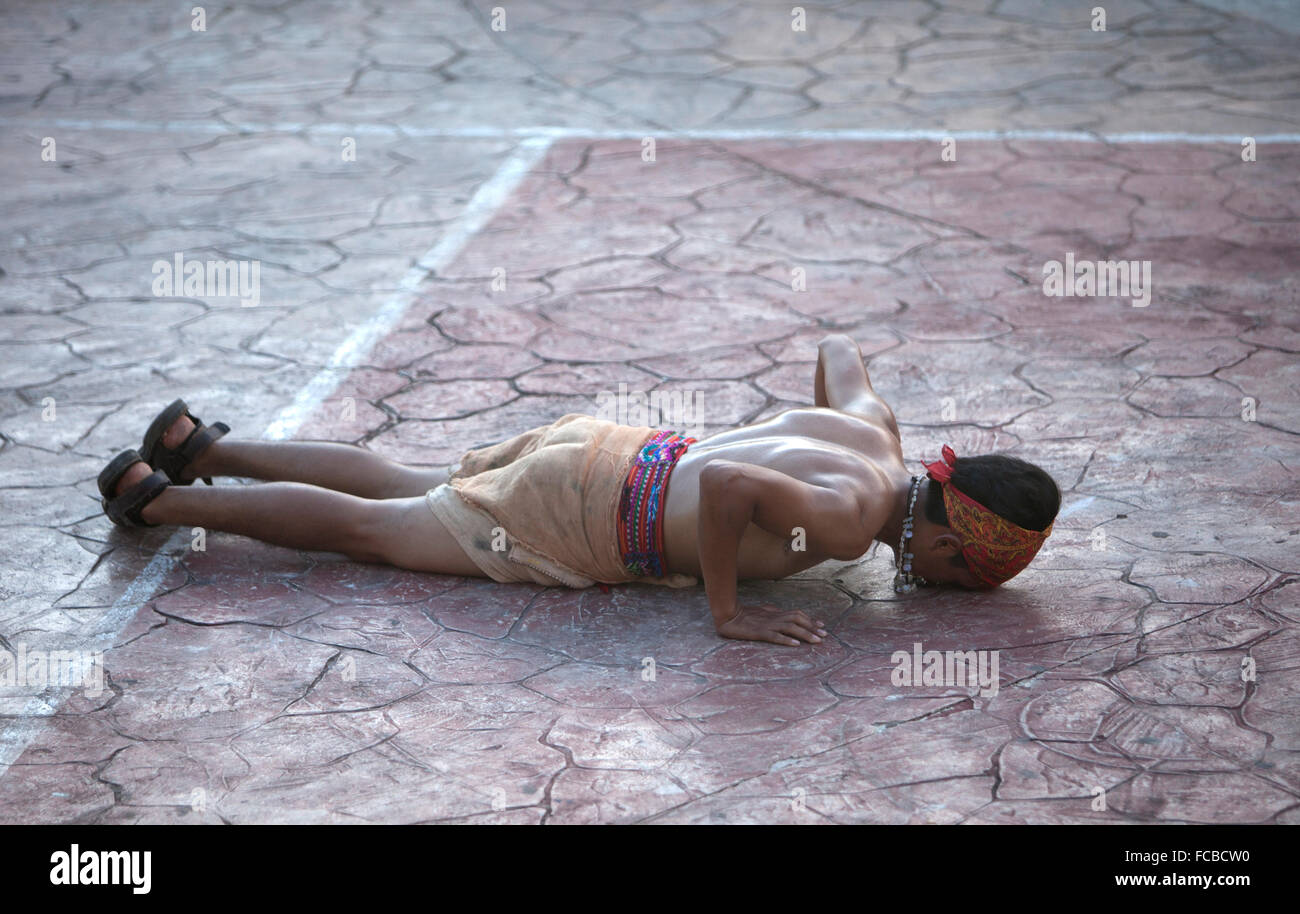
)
(485, 202)
(20, 732)
(833, 134)
(101, 634)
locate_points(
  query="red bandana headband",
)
(995, 549)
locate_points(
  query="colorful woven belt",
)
(640, 509)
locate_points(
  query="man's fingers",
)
(802, 620)
(779, 635)
(775, 626)
(798, 631)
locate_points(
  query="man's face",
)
(936, 556)
(940, 569)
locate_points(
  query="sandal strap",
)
(174, 461)
(200, 439)
(124, 510)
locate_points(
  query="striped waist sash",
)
(640, 510)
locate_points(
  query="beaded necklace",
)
(904, 580)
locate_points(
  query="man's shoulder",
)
(870, 437)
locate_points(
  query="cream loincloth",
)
(548, 499)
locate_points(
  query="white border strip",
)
(834, 134)
(486, 201)
(489, 198)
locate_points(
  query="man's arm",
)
(734, 495)
(842, 381)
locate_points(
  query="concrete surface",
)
(1151, 652)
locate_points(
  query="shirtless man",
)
(734, 509)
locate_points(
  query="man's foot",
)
(137, 472)
(178, 443)
(128, 487)
(174, 437)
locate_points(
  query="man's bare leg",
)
(329, 465)
(396, 531)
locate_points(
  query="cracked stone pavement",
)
(257, 684)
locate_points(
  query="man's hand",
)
(771, 623)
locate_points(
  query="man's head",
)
(974, 548)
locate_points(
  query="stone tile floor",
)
(253, 684)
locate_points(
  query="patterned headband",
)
(995, 549)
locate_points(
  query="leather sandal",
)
(124, 510)
(173, 461)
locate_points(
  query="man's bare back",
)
(816, 446)
(782, 495)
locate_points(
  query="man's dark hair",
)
(1013, 488)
